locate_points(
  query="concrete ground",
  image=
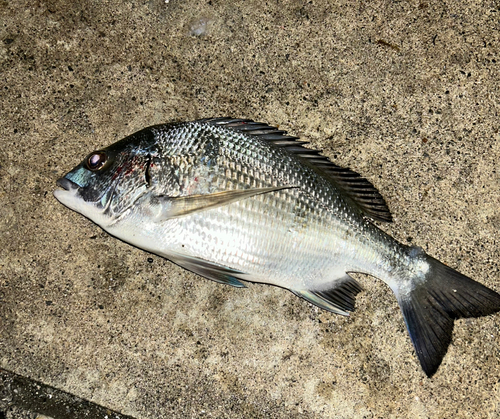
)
(405, 93)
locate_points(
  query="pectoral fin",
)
(183, 205)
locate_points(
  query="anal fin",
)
(339, 299)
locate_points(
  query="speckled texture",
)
(405, 93)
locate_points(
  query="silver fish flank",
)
(235, 200)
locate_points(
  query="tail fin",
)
(430, 308)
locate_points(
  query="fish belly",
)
(271, 239)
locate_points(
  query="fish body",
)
(234, 200)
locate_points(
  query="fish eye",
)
(96, 160)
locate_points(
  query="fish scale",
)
(235, 200)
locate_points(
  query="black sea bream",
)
(234, 200)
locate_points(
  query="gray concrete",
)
(406, 93)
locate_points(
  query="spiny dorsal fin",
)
(360, 191)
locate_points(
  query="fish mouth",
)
(66, 184)
(68, 194)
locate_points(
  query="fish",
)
(237, 201)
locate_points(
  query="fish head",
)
(107, 183)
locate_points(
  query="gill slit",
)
(147, 174)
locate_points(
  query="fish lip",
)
(66, 184)
(67, 192)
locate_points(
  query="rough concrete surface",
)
(406, 93)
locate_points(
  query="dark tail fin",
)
(430, 308)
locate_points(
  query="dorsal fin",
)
(359, 190)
